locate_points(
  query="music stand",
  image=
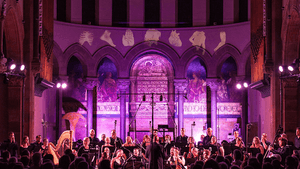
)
(133, 162)
(128, 150)
(253, 151)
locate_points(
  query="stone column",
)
(170, 101)
(55, 10)
(59, 107)
(200, 12)
(168, 13)
(103, 13)
(180, 85)
(90, 84)
(213, 84)
(136, 13)
(133, 100)
(230, 11)
(15, 121)
(74, 11)
(123, 85)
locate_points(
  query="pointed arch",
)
(223, 53)
(193, 52)
(83, 55)
(143, 48)
(109, 52)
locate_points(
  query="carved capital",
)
(180, 84)
(213, 83)
(123, 84)
(35, 66)
(90, 83)
(15, 81)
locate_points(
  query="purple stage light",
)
(58, 85)
(245, 84)
(12, 67)
(22, 67)
(290, 68)
(280, 68)
(238, 86)
(64, 85)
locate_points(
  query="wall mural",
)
(198, 40)
(86, 36)
(196, 74)
(128, 38)
(76, 87)
(227, 91)
(174, 39)
(223, 40)
(106, 37)
(107, 86)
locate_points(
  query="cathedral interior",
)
(130, 65)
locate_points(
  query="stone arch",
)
(167, 64)
(83, 56)
(109, 52)
(223, 53)
(13, 35)
(189, 55)
(57, 57)
(144, 47)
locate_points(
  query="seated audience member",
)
(36, 161)
(25, 160)
(64, 162)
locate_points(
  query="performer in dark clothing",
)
(156, 159)
(283, 149)
(85, 147)
(207, 138)
(37, 145)
(297, 139)
(182, 138)
(93, 140)
(114, 140)
(10, 144)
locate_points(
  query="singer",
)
(114, 140)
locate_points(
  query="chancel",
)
(113, 83)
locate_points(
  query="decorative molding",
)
(40, 17)
(123, 84)
(213, 84)
(263, 86)
(180, 84)
(48, 43)
(40, 85)
(15, 81)
(256, 40)
(90, 83)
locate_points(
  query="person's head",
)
(155, 138)
(68, 151)
(92, 133)
(176, 151)
(64, 162)
(49, 157)
(167, 138)
(103, 136)
(211, 164)
(107, 150)
(282, 141)
(25, 152)
(11, 136)
(155, 132)
(107, 140)
(86, 141)
(172, 151)
(236, 134)
(45, 142)
(128, 139)
(284, 136)
(256, 141)
(83, 165)
(191, 140)
(25, 160)
(298, 131)
(206, 153)
(213, 140)
(146, 138)
(182, 131)
(195, 151)
(238, 140)
(113, 134)
(209, 131)
(5, 155)
(136, 152)
(36, 159)
(38, 138)
(237, 154)
(119, 153)
(25, 140)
